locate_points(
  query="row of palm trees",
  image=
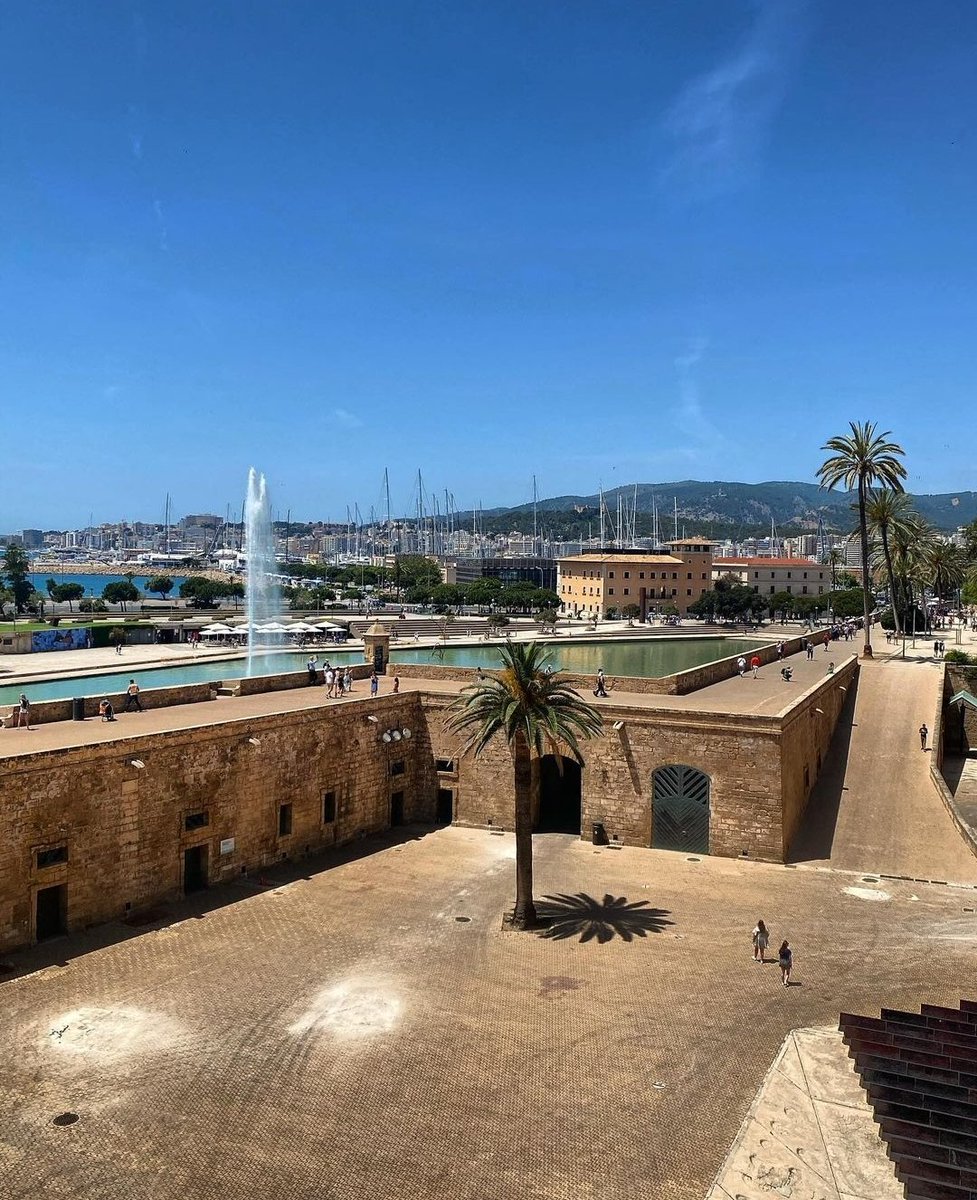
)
(894, 538)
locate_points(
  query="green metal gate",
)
(680, 809)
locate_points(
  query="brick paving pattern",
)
(343, 1035)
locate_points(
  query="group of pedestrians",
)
(336, 682)
(785, 956)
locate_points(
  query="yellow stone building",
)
(591, 584)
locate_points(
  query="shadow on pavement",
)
(815, 835)
(59, 951)
(566, 916)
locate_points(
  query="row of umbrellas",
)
(218, 629)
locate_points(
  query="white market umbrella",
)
(217, 627)
(272, 627)
(326, 626)
(302, 627)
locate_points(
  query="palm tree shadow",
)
(565, 916)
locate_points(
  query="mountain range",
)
(740, 507)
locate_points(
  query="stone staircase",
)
(920, 1073)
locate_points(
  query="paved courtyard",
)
(344, 1034)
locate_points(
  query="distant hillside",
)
(740, 507)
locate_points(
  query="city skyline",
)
(613, 243)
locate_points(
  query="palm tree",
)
(946, 567)
(910, 542)
(536, 712)
(886, 510)
(859, 461)
(836, 559)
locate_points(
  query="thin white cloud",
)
(701, 436)
(164, 238)
(346, 419)
(135, 141)
(720, 120)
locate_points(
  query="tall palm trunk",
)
(524, 916)
(866, 579)
(887, 555)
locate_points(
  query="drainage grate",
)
(463, 920)
(65, 1118)
(870, 879)
(693, 860)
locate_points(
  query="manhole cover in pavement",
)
(65, 1118)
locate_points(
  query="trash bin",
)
(78, 708)
(599, 834)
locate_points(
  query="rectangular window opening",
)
(197, 820)
(328, 807)
(284, 820)
(52, 856)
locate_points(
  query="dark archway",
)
(559, 795)
(680, 809)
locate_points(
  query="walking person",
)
(761, 939)
(22, 712)
(755, 665)
(741, 665)
(396, 687)
(923, 735)
(329, 679)
(311, 666)
(132, 697)
(374, 684)
(347, 682)
(785, 958)
(601, 688)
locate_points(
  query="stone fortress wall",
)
(244, 794)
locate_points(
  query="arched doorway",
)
(559, 795)
(680, 809)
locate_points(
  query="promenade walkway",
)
(874, 808)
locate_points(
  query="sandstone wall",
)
(125, 828)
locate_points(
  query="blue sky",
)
(594, 241)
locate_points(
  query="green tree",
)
(124, 592)
(91, 605)
(781, 602)
(50, 585)
(67, 593)
(200, 592)
(162, 585)
(946, 568)
(536, 713)
(6, 597)
(847, 603)
(860, 461)
(632, 612)
(886, 512)
(484, 591)
(16, 567)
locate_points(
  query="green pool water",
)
(648, 657)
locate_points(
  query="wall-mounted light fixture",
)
(841, 689)
(820, 710)
(373, 720)
(137, 763)
(618, 725)
(406, 733)
(253, 741)
(387, 735)
(394, 735)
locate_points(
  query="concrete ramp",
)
(810, 1134)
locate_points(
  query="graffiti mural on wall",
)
(61, 639)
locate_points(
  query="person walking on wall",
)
(923, 735)
(22, 712)
(310, 666)
(132, 697)
(761, 939)
(601, 688)
(396, 687)
(374, 684)
(347, 681)
(785, 958)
